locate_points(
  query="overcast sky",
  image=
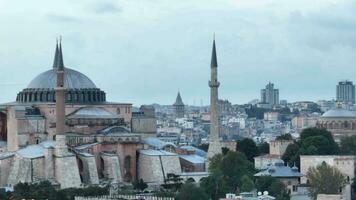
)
(143, 51)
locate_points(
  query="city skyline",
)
(111, 35)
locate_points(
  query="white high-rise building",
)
(270, 95)
(345, 92)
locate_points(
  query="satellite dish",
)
(259, 193)
(265, 193)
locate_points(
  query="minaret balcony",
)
(214, 83)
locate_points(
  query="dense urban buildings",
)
(345, 92)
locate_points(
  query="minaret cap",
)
(214, 60)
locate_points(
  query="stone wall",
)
(20, 171)
(111, 169)
(66, 166)
(346, 164)
(5, 166)
(154, 168)
(144, 125)
(153, 173)
(278, 147)
(87, 169)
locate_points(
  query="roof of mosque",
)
(338, 113)
(280, 170)
(195, 159)
(72, 80)
(157, 143)
(152, 152)
(92, 112)
(36, 150)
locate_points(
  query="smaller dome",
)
(279, 162)
(338, 113)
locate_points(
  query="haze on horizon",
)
(143, 51)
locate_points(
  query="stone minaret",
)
(66, 171)
(61, 147)
(214, 141)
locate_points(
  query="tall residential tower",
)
(345, 92)
(270, 95)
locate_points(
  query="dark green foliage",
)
(224, 150)
(190, 191)
(173, 182)
(248, 147)
(247, 184)
(139, 185)
(273, 186)
(263, 148)
(348, 145)
(44, 190)
(4, 195)
(291, 154)
(226, 174)
(313, 141)
(284, 137)
(324, 179)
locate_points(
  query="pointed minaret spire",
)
(60, 65)
(56, 55)
(214, 60)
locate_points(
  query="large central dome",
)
(78, 87)
(72, 80)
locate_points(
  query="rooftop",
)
(279, 170)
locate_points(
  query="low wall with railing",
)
(124, 197)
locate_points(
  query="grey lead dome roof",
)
(338, 113)
(72, 80)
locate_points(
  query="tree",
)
(324, 179)
(248, 147)
(348, 145)
(291, 155)
(4, 194)
(313, 141)
(190, 191)
(173, 182)
(273, 186)
(284, 137)
(226, 173)
(263, 148)
(139, 185)
(42, 190)
(247, 184)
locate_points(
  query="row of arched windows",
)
(81, 96)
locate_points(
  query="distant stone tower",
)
(178, 107)
(214, 140)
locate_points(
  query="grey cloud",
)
(106, 8)
(62, 18)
